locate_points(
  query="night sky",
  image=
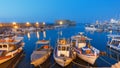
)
(51, 10)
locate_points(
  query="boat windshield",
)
(63, 48)
(82, 39)
(116, 43)
(62, 42)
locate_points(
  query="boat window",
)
(113, 42)
(63, 48)
(0, 46)
(67, 48)
(59, 48)
(116, 43)
(81, 41)
(5, 46)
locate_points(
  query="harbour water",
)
(99, 40)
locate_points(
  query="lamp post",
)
(27, 24)
(60, 22)
(43, 25)
(37, 24)
(14, 23)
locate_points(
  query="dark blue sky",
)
(50, 10)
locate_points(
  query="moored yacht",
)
(114, 42)
(90, 28)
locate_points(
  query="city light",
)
(37, 23)
(28, 23)
(15, 27)
(43, 23)
(61, 23)
(14, 23)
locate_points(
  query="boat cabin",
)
(63, 48)
(4, 46)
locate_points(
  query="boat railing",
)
(95, 50)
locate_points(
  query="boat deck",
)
(38, 54)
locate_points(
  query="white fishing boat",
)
(10, 47)
(41, 54)
(79, 40)
(85, 51)
(63, 53)
(114, 42)
(90, 28)
(88, 54)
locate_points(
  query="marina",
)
(105, 55)
(59, 34)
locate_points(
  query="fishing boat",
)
(10, 47)
(63, 53)
(88, 54)
(85, 51)
(42, 53)
(114, 42)
(90, 28)
(79, 40)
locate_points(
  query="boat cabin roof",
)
(11, 40)
(116, 39)
(7, 35)
(77, 37)
(114, 36)
(42, 42)
(85, 48)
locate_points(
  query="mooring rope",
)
(105, 61)
(40, 66)
(81, 65)
(52, 65)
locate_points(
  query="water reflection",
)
(61, 33)
(28, 35)
(44, 34)
(37, 33)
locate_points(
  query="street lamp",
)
(27, 24)
(14, 23)
(60, 22)
(37, 24)
(16, 27)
